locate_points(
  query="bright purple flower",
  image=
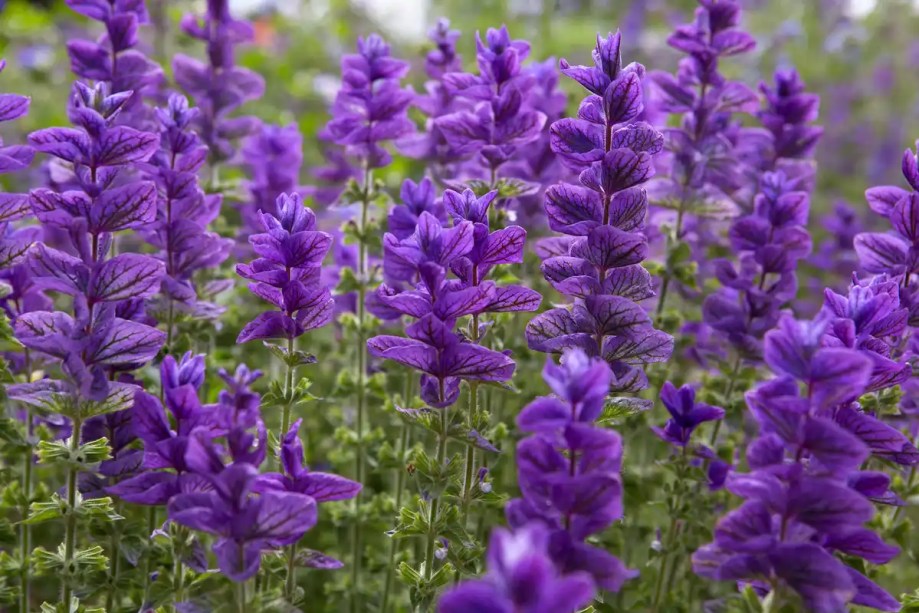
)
(437, 101)
(497, 122)
(166, 435)
(569, 469)
(23, 294)
(287, 273)
(245, 522)
(443, 358)
(598, 262)
(183, 212)
(219, 87)
(521, 578)
(805, 497)
(114, 59)
(296, 477)
(370, 108)
(685, 414)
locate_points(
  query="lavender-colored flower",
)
(287, 273)
(520, 578)
(113, 59)
(244, 522)
(896, 253)
(499, 122)
(568, 469)
(437, 101)
(106, 200)
(685, 414)
(165, 436)
(443, 358)
(370, 108)
(183, 212)
(219, 86)
(773, 238)
(805, 497)
(22, 294)
(598, 262)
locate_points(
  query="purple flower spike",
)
(773, 238)
(805, 497)
(114, 58)
(686, 414)
(183, 213)
(371, 106)
(569, 469)
(287, 273)
(219, 87)
(598, 263)
(15, 243)
(273, 156)
(521, 577)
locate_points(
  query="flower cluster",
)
(521, 577)
(598, 262)
(370, 108)
(14, 244)
(773, 238)
(498, 122)
(805, 497)
(897, 253)
(219, 87)
(183, 213)
(568, 469)
(113, 59)
(273, 156)
(286, 273)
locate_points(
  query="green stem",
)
(669, 538)
(241, 597)
(148, 562)
(288, 393)
(728, 397)
(116, 563)
(909, 486)
(70, 524)
(361, 367)
(25, 530)
(432, 514)
(178, 578)
(291, 582)
(665, 283)
(393, 545)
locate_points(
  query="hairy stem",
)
(70, 524)
(361, 367)
(25, 530)
(404, 435)
(290, 583)
(435, 502)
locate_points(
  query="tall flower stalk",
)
(19, 297)
(369, 111)
(597, 262)
(706, 161)
(92, 343)
(805, 497)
